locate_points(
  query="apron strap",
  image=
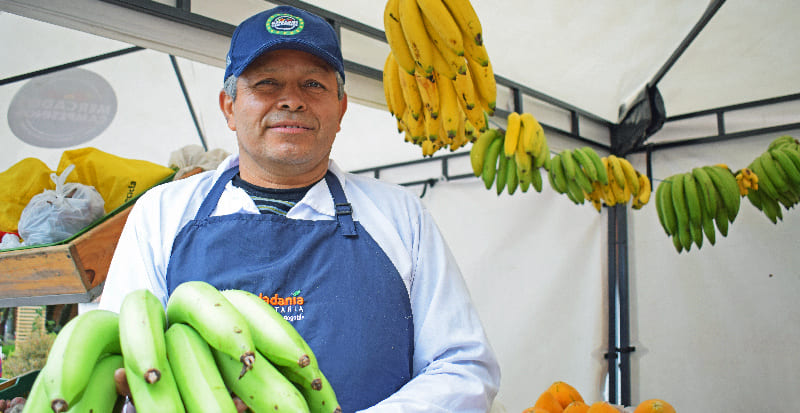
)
(344, 212)
(208, 205)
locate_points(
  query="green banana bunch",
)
(263, 388)
(202, 306)
(196, 375)
(100, 394)
(141, 335)
(689, 204)
(76, 350)
(203, 371)
(778, 172)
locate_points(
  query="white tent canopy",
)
(711, 330)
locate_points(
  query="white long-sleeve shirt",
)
(454, 366)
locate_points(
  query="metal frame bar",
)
(69, 65)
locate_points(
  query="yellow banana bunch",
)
(747, 180)
(777, 178)
(514, 158)
(438, 80)
(689, 204)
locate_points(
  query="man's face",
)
(286, 115)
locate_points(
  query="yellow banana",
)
(411, 93)
(392, 88)
(416, 36)
(443, 23)
(615, 170)
(528, 132)
(467, 20)
(485, 84)
(631, 178)
(513, 128)
(429, 93)
(395, 36)
(449, 110)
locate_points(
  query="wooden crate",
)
(71, 272)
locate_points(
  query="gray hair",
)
(229, 87)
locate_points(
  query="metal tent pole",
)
(611, 354)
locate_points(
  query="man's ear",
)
(342, 110)
(226, 105)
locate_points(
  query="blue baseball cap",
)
(283, 27)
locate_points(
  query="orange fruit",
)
(601, 407)
(654, 406)
(548, 402)
(564, 393)
(577, 407)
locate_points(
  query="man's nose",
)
(291, 99)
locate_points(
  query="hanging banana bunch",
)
(582, 175)
(689, 204)
(777, 178)
(512, 158)
(438, 81)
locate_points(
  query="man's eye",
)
(314, 84)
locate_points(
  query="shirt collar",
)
(317, 198)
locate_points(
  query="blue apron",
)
(329, 278)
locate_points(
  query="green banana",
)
(574, 192)
(696, 231)
(321, 398)
(512, 180)
(709, 192)
(602, 173)
(771, 208)
(542, 157)
(490, 162)
(692, 199)
(727, 189)
(141, 335)
(200, 305)
(263, 388)
(781, 141)
(708, 227)
(162, 396)
(502, 173)
(586, 163)
(273, 336)
(78, 347)
(569, 164)
(37, 400)
(559, 178)
(196, 375)
(679, 202)
(664, 208)
(477, 153)
(784, 160)
(536, 179)
(100, 394)
(722, 220)
(793, 152)
(583, 181)
(774, 172)
(676, 242)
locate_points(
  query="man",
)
(357, 265)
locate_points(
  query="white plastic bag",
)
(55, 215)
(194, 156)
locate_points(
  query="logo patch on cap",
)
(284, 24)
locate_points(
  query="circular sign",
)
(62, 109)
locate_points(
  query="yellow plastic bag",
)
(117, 179)
(18, 184)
